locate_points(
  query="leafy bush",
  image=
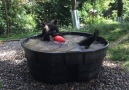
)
(56, 9)
(2, 21)
(126, 65)
(102, 6)
(84, 12)
(19, 17)
(126, 11)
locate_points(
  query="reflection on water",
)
(69, 45)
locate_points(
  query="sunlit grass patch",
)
(119, 52)
(126, 65)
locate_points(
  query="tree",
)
(6, 4)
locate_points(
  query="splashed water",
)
(53, 46)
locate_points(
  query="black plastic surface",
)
(65, 66)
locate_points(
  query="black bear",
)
(89, 40)
(50, 30)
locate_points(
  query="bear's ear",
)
(54, 22)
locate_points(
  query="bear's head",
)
(50, 26)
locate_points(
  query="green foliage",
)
(21, 18)
(126, 65)
(2, 21)
(126, 10)
(84, 12)
(99, 5)
(19, 15)
(55, 9)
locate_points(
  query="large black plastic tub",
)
(65, 66)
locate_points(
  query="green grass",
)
(18, 36)
(126, 65)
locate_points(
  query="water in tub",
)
(53, 46)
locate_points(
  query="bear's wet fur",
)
(50, 29)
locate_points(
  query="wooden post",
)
(73, 4)
(6, 15)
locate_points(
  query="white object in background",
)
(75, 19)
(119, 19)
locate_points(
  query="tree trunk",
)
(119, 11)
(6, 15)
(73, 4)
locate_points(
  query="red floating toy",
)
(59, 39)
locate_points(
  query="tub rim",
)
(70, 33)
